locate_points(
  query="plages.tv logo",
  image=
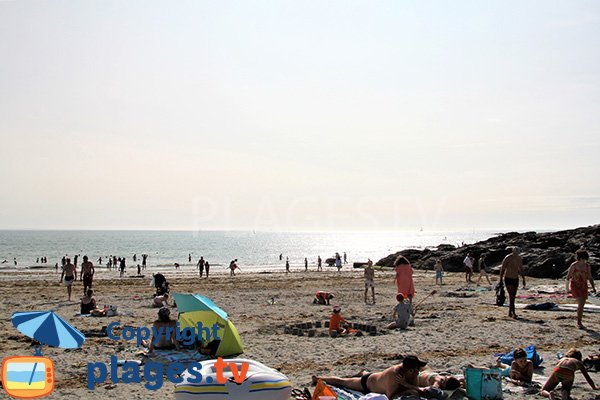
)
(28, 377)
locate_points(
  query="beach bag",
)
(500, 295)
(483, 384)
(532, 355)
(322, 391)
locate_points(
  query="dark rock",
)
(545, 255)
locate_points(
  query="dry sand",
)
(449, 332)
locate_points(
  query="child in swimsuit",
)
(521, 369)
(564, 373)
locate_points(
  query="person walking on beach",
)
(345, 258)
(201, 266)
(578, 276)
(206, 267)
(483, 270)
(439, 271)
(87, 274)
(369, 275)
(512, 267)
(319, 264)
(338, 262)
(305, 264)
(468, 263)
(69, 274)
(287, 266)
(404, 278)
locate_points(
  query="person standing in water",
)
(201, 266)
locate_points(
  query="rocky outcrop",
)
(545, 255)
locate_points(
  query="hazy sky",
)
(312, 115)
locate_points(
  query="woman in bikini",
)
(578, 276)
(564, 373)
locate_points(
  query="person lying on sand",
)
(397, 380)
(564, 373)
(427, 378)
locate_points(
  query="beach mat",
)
(184, 356)
(590, 308)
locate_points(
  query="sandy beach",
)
(450, 331)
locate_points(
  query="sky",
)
(299, 115)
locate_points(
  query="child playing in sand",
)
(337, 323)
(439, 269)
(521, 369)
(161, 301)
(564, 373)
(323, 298)
(402, 313)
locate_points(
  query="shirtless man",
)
(400, 379)
(87, 274)
(370, 280)
(512, 267)
(69, 273)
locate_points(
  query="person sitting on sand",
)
(161, 301)
(521, 369)
(402, 313)
(88, 303)
(564, 373)
(397, 380)
(337, 323)
(163, 325)
(323, 298)
(428, 378)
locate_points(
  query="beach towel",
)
(532, 355)
(347, 394)
(541, 306)
(184, 356)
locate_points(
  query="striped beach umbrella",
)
(48, 328)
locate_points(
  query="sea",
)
(254, 250)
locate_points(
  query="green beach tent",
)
(194, 309)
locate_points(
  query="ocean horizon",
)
(253, 249)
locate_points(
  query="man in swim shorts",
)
(397, 380)
(69, 274)
(87, 274)
(512, 267)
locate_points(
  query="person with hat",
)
(337, 323)
(323, 298)
(402, 313)
(398, 380)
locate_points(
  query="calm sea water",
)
(254, 250)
